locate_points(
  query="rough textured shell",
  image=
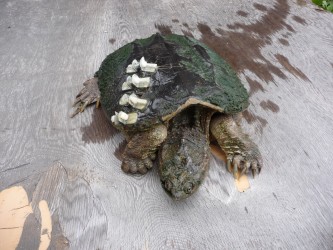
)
(188, 72)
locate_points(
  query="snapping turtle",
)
(170, 95)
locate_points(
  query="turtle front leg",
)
(88, 95)
(141, 150)
(242, 153)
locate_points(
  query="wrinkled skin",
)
(184, 155)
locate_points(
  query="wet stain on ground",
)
(252, 118)
(175, 20)
(112, 40)
(331, 64)
(269, 105)
(187, 33)
(293, 70)
(275, 196)
(299, 20)
(241, 50)
(284, 42)
(242, 13)
(255, 86)
(301, 2)
(164, 29)
(100, 129)
(288, 34)
(248, 41)
(260, 7)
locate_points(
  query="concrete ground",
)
(60, 178)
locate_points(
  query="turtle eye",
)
(188, 188)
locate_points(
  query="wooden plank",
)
(282, 51)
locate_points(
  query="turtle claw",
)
(253, 173)
(229, 165)
(88, 95)
(244, 162)
(246, 168)
(136, 166)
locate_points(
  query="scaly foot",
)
(141, 149)
(243, 157)
(88, 95)
(242, 153)
(137, 166)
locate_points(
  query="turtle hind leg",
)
(242, 153)
(141, 150)
(88, 95)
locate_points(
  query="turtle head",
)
(183, 162)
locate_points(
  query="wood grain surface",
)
(282, 51)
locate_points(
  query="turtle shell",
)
(188, 73)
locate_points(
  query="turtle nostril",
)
(168, 185)
(188, 188)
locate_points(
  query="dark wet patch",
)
(269, 105)
(301, 2)
(187, 33)
(291, 29)
(260, 7)
(293, 70)
(164, 29)
(175, 20)
(275, 196)
(255, 86)
(246, 210)
(299, 20)
(99, 130)
(241, 48)
(251, 118)
(286, 35)
(242, 13)
(306, 153)
(284, 42)
(112, 40)
(120, 150)
(331, 64)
